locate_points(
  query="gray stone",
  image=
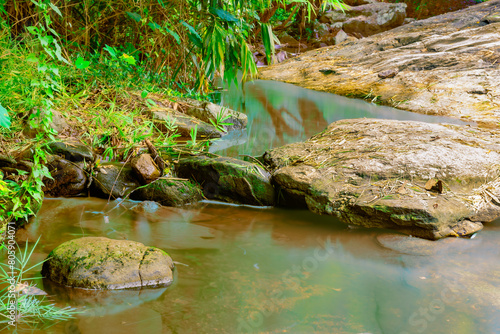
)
(114, 179)
(443, 63)
(373, 173)
(184, 124)
(229, 179)
(102, 263)
(72, 150)
(209, 112)
(340, 37)
(367, 19)
(169, 192)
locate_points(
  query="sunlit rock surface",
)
(373, 173)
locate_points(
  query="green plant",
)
(29, 310)
(220, 119)
(193, 134)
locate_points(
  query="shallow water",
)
(280, 113)
(243, 269)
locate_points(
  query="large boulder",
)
(444, 65)
(228, 179)
(169, 192)
(426, 180)
(102, 263)
(366, 19)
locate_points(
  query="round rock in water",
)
(102, 263)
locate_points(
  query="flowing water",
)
(243, 269)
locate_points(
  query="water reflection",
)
(243, 269)
(280, 113)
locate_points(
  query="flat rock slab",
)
(228, 179)
(446, 65)
(373, 173)
(102, 263)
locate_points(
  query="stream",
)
(243, 269)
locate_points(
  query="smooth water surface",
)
(244, 269)
(280, 113)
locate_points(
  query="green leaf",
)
(81, 63)
(193, 36)
(4, 118)
(154, 25)
(174, 35)
(223, 15)
(31, 58)
(129, 59)
(134, 16)
(54, 7)
(144, 94)
(111, 50)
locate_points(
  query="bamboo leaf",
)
(4, 118)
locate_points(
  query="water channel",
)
(244, 269)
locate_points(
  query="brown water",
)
(242, 269)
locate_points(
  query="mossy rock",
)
(169, 192)
(102, 263)
(230, 180)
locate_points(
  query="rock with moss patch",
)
(114, 179)
(102, 263)
(230, 180)
(169, 192)
(373, 173)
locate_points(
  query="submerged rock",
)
(68, 179)
(113, 179)
(448, 65)
(372, 173)
(169, 192)
(102, 263)
(230, 180)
